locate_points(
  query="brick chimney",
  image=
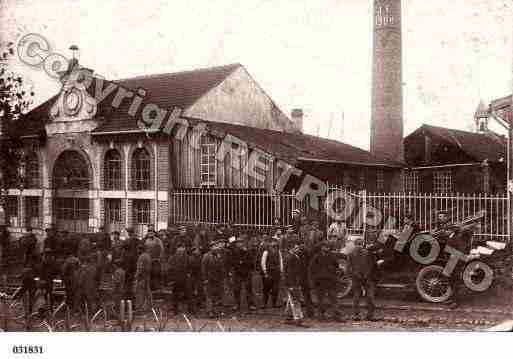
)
(297, 117)
(387, 93)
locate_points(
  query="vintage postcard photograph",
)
(255, 166)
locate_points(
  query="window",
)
(380, 181)
(11, 211)
(141, 170)
(411, 182)
(32, 171)
(142, 212)
(208, 165)
(346, 180)
(113, 214)
(71, 171)
(32, 212)
(362, 180)
(72, 208)
(112, 170)
(442, 181)
(72, 214)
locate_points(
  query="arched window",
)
(112, 170)
(141, 170)
(71, 171)
(32, 171)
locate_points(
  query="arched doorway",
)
(71, 181)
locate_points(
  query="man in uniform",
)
(213, 270)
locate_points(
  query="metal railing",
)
(424, 208)
(242, 207)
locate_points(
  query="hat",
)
(217, 244)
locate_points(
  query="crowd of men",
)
(201, 265)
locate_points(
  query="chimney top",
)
(482, 110)
(297, 118)
(297, 112)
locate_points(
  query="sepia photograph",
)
(259, 166)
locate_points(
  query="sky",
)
(314, 55)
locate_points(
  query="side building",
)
(443, 160)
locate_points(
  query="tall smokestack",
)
(387, 95)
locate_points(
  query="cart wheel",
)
(345, 283)
(432, 285)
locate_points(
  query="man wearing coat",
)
(129, 256)
(179, 274)
(294, 269)
(323, 274)
(142, 287)
(240, 263)
(362, 267)
(214, 273)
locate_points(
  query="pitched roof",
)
(479, 146)
(298, 147)
(179, 89)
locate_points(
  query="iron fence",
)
(424, 207)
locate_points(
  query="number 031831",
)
(27, 349)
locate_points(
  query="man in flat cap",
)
(213, 268)
(323, 273)
(240, 266)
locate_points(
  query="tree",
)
(15, 100)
